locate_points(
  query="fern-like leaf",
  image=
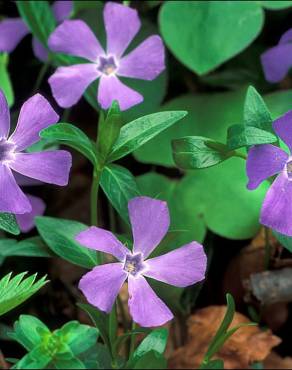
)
(16, 290)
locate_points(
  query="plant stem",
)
(133, 341)
(41, 76)
(94, 197)
(241, 155)
(267, 248)
(126, 2)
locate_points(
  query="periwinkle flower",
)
(13, 30)
(278, 60)
(268, 160)
(52, 167)
(74, 37)
(182, 267)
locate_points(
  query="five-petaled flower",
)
(278, 60)
(13, 30)
(52, 167)
(182, 267)
(268, 160)
(74, 37)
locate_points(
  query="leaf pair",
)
(199, 152)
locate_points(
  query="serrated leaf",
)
(72, 136)
(16, 290)
(119, 186)
(59, 234)
(136, 133)
(193, 152)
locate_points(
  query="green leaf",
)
(36, 359)
(256, 112)
(73, 363)
(155, 341)
(204, 34)
(119, 186)
(109, 130)
(38, 17)
(193, 152)
(150, 360)
(138, 132)
(16, 290)
(243, 136)
(71, 136)
(59, 234)
(275, 5)
(8, 223)
(31, 247)
(27, 331)
(284, 240)
(5, 82)
(100, 320)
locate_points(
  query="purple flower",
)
(26, 221)
(278, 60)
(74, 37)
(268, 160)
(52, 167)
(13, 30)
(182, 267)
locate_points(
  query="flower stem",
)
(241, 155)
(133, 341)
(94, 197)
(41, 76)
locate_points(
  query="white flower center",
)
(107, 65)
(134, 264)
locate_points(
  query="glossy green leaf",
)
(31, 247)
(256, 112)
(38, 17)
(15, 290)
(5, 82)
(60, 235)
(109, 130)
(202, 38)
(239, 136)
(275, 5)
(150, 360)
(8, 223)
(119, 186)
(193, 152)
(136, 133)
(70, 135)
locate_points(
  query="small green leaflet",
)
(15, 290)
(8, 223)
(241, 135)
(199, 152)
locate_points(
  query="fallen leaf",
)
(246, 346)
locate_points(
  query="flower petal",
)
(4, 116)
(146, 62)
(39, 50)
(122, 24)
(283, 128)
(102, 285)
(286, 37)
(12, 199)
(264, 161)
(52, 167)
(26, 181)
(35, 115)
(103, 241)
(182, 267)
(74, 37)
(62, 9)
(12, 31)
(276, 62)
(26, 221)
(69, 83)
(111, 88)
(277, 207)
(145, 307)
(150, 222)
